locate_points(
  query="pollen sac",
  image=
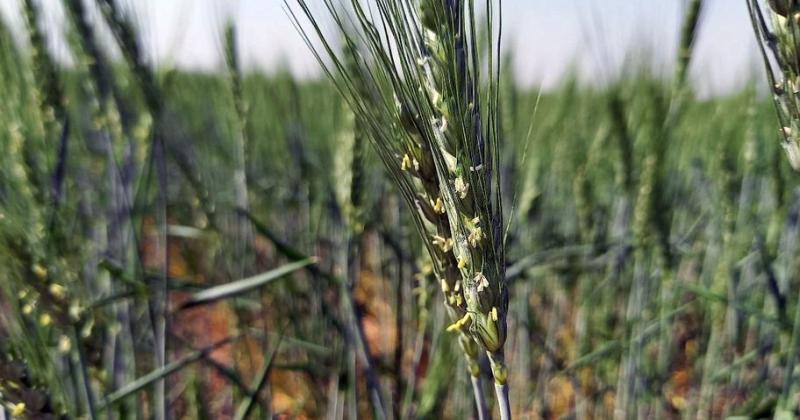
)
(445, 244)
(438, 205)
(64, 344)
(39, 271)
(405, 163)
(58, 291)
(462, 263)
(462, 187)
(481, 281)
(475, 236)
(45, 320)
(18, 410)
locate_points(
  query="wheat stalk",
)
(437, 135)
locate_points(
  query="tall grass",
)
(247, 244)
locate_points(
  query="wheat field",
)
(412, 234)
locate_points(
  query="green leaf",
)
(287, 249)
(160, 373)
(241, 286)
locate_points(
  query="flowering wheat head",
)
(424, 90)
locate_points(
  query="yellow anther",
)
(39, 271)
(458, 286)
(57, 291)
(64, 344)
(461, 323)
(45, 320)
(481, 281)
(462, 262)
(445, 287)
(494, 313)
(438, 205)
(475, 236)
(445, 244)
(18, 410)
(75, 310)
(405, 164)
(462, 187)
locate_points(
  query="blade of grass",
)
(238, 287)
(161, 373)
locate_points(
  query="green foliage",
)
(650, 248)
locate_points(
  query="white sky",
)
(548, 37)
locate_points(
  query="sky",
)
(549, 38)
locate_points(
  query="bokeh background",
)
(595, 38)
(653, 230)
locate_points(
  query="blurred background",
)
(192, 224)
(550, 39)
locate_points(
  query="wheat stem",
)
(503, 401)
(480, 398)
